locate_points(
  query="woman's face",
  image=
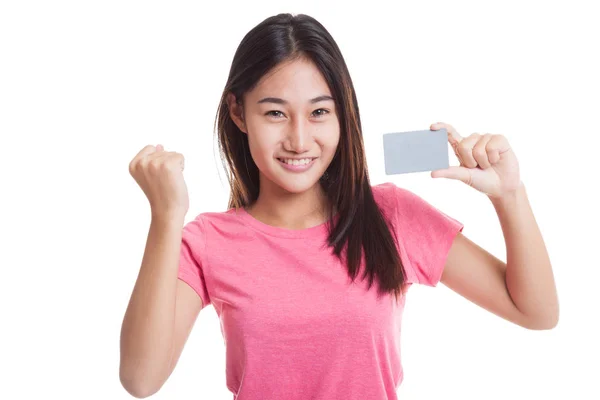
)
(292, 125)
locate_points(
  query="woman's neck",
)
(291, 210)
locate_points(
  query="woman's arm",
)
(160, 315)
(522, 290)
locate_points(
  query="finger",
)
(147, 150)
(496, 146)
(458, 173)
(465, 150)
(480, 153)
(453, 136)
(150, 154)
(156, 160)
(158, 156)
(170, 160)
(160, 152)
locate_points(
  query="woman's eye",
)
(270, 113)
(322, 109)
(274, 113)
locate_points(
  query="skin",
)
(163, 309)
(299, 128)
(522, 290)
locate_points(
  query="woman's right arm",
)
(162, 309)
(160, 315)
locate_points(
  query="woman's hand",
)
(159, 174)
(487, 162)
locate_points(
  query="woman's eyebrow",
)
(277, 100)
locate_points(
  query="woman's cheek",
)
(262, 148)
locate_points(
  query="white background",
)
(85, 85)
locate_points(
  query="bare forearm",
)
(529, 276)
(147, 331)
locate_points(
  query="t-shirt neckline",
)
(313, 231)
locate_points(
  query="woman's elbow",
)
(137, 387)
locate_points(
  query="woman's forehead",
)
(297, 81)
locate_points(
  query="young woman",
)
(309, 266)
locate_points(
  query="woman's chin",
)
(296, 184)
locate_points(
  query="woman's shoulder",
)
(389, 195)
(403, 203)
(409, 208)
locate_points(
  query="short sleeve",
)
(191, 258)
(426, 235)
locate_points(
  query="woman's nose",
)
(298, 137)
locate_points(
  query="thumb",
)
(459, 173)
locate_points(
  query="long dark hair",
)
(361, 226)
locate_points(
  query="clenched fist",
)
(159, 174)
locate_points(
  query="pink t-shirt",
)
(294, 326)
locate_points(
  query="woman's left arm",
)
(522, 290)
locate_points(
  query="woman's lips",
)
(297, 168)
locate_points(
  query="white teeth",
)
(303, 161)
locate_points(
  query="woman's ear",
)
(236, 112)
